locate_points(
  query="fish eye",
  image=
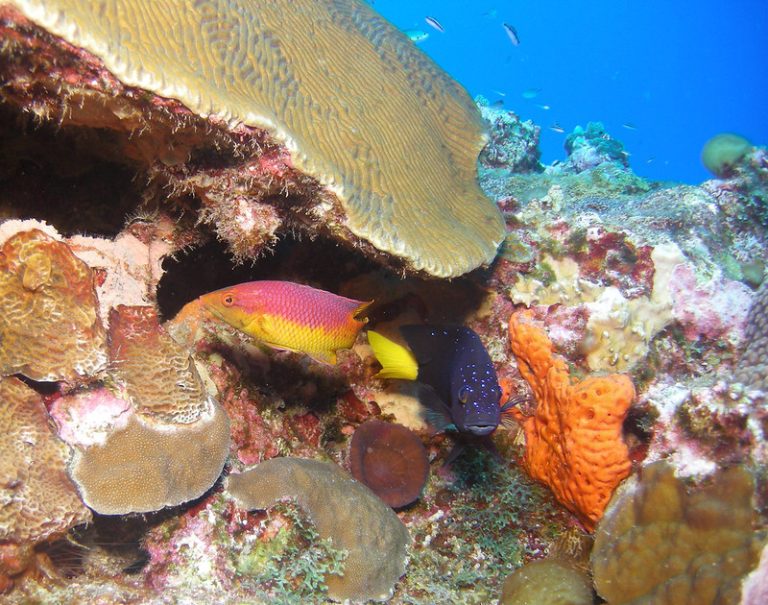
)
(228, 299)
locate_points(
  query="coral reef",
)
(752, 370)
(390, 459)
(591, 146)
(158, 441)
(661, 543)
(573, 441)
(344, 511)
(547, 582)
(513, 144)
(49, 324)
(337, 156)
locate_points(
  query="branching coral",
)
(663, 544)
(344, 511)
(573, 440)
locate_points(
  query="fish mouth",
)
(481, 429)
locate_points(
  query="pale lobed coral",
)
(344, 511)
(661, 543)
(619, 329)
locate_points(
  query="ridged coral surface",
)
(49, 323)
(37, 499)
(357, 105)
(660, 543)
(343, 510)
(573, 441)
(158, 374)
(753, 366)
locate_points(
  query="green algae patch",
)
(344, 512)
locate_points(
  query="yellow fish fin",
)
(396, 361)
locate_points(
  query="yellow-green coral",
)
(547, 582)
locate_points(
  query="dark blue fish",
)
(453, 362)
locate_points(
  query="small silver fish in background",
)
(416, 35)
(511, 34)
(432, 22)
(543, 106)
(531, 93)
(629, 126)
(557, 128)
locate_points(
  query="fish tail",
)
(396, 361)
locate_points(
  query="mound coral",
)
(661, 543)
(49, 323)
(573, 439)
(157, 441)
(547, 582)
(344, 511)
(396, 171)
(723, 152)
(391, 460)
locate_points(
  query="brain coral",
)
(344, 511)
(49, 323)
(358, 107)
(660, 543)
(37, 499)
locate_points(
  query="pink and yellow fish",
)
(289, 316)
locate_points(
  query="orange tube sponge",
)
(573, 440)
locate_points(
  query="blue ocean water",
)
(662, 76)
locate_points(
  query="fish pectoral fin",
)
(435, 411)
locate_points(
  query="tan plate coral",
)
(357, 106)
(344, 511)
